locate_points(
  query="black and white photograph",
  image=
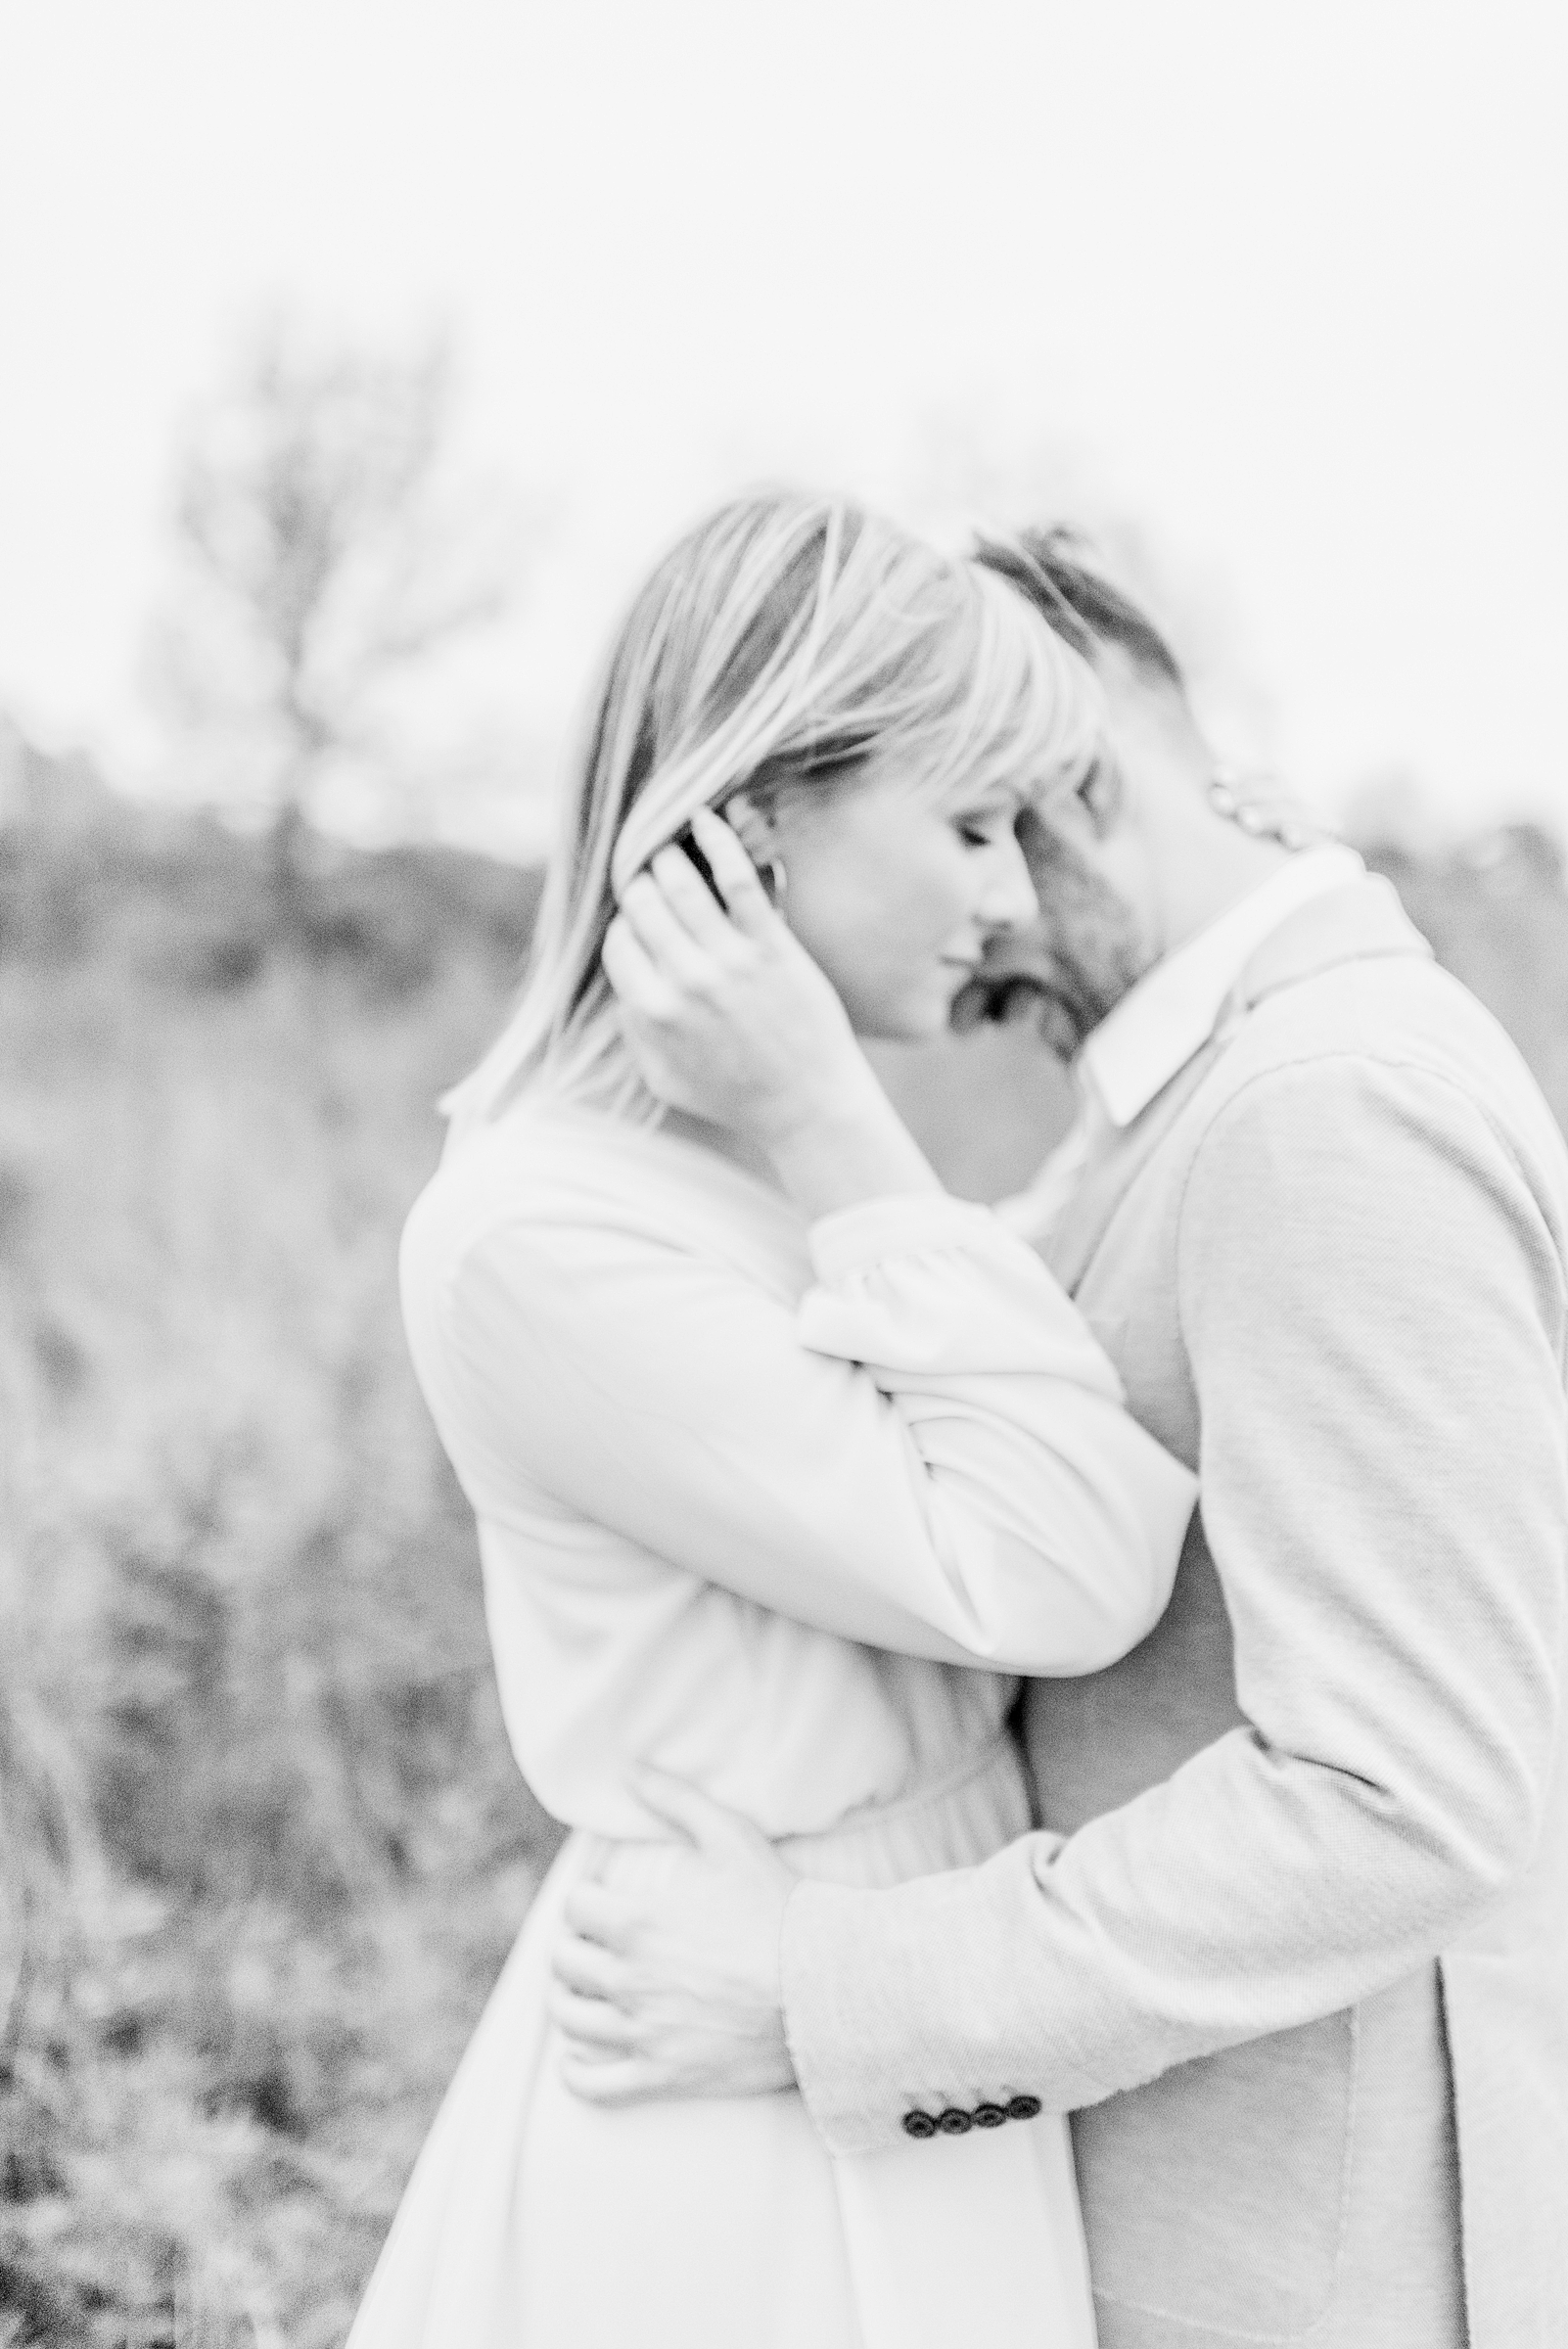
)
(783, 1187)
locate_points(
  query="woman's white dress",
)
(751, 1500)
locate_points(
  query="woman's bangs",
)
(1011, 705)
(1059, 710)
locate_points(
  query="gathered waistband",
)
(954, 1820)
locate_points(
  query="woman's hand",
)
(729, 1019)
(728, 1016)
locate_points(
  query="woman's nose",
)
(1009, 899)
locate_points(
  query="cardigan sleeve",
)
(1372, 1302)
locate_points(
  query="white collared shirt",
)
(1165, 1019)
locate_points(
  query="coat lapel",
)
(1361, 922)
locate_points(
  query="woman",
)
(770, 1443)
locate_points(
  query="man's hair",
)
(1050, 568)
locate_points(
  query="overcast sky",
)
(1285, 283)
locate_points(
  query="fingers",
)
(648, 908)
(587, 1972)
(601, 2061)
(694, 1814)
(688, 895)
(634, 974)
(734, 872)
(670, 897)
(592, 2026)
(686, 937)
(614, 2080)
(593, 1914)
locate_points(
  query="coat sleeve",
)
(932, 1455)
(1372, 1305)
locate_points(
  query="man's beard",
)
(1073, 964)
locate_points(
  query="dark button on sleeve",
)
(954, 2122)
(1024, 2108)
(989, 2117)
(919, 2124)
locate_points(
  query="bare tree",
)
(328, 552)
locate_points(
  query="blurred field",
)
(263, 1847)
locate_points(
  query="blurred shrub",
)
(187, 902)
(262, 1846)
(1497, 914)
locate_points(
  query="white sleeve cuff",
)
(852, 1239)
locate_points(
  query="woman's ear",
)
(756, 826)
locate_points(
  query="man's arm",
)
(1373, 1311)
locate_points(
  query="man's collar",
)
(1172, 1012)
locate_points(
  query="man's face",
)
(1094, 937)
(1098, 860)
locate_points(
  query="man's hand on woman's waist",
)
(671, 1988)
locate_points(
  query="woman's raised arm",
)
(931, 1455)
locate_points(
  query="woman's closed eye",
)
(984, 828)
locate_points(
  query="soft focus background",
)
(355, 361)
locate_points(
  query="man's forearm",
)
(1384, 1488)
(1252, 1893)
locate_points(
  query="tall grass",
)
(263, 1847)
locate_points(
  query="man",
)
(1291, 1945)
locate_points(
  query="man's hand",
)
(673, 1991)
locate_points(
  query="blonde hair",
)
(775, 647)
